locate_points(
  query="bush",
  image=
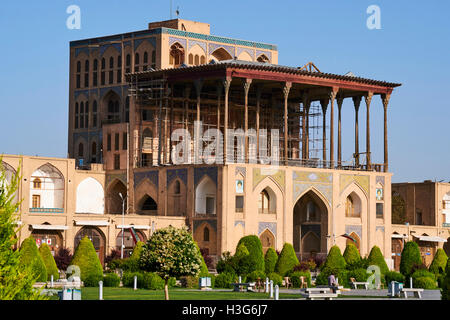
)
(87, 260)
(295, 278)
(394, 276)
(253, 276)
(340, 274)
(276, 278)
(136, 254)
(128, 279)
(255, 259)
(423, 273)
(360, 275)
(287, 260)
(63, 258)
(335, 261)
(424, 283)
(410, 258)
(270, 260)
(445, 283)
(29, 256)
(49, 262)
(376, 258)
(226, 263)
(111, 280)
(152, 281)
(112, 258)
(439, 262)
(351, 256)
(224, 280)
(207, 258)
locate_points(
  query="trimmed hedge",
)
(287, 260)
(276, 278)
(270, 260)
(335, 262)
(340, 274)
(445, 283)
(423, 273)
(49, 261)
(255, 259)
(394, 276)
(111, 280)
(146, 280)
(295, 278)
(243, 264)
(351, 255)
(29, 255)
(439, 262)
(225, 279)
(136, 254)
(128, 279)
(253, 276)
(360, 275)
(153, 281)
(87, 260)
(377, 258)
(424, 283)
(226, 263)
(410, 258)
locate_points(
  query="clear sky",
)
(412, 47)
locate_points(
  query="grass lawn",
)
(176, 294)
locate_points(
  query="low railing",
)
(47, 210)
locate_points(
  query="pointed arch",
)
(111, 105)
(50, 197)
(176, 55)
(310, 243)
(357, 241)
(359, 198)
(221, 54)
(113, 199)
(146, 189)
(206, 237)
(245, 56)
(267, 240)
(90, 197)
(205, 196)
(176, 193)
(97, 238)
(263, 58)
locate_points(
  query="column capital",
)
(385, 97)
(333, 93)
(324, 104)
(286, 88)
(226, 82)
(357, 102)
(247, 83)
(340, 101)
(198, 83)
(368, 98)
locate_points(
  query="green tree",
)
(335, 262)
(376, 258)
(85, 257)
(439, 262)
(16, 279)
(445, 289)
(255, 259)
(287, 260)
(351, 255)
(29, 255)
(242, 263)
(137, 250)
(410, 258)
(270, 260)
(171, 252)
(49, 262)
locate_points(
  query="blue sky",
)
(411, 48)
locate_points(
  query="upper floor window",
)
(176, 57)
(37, 183)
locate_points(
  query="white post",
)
(277, 292)
(51, 281)
(392, 289)
(100, 287)
(410, 282)
(135, 283)
(267, 285)
(240, 279)
(271, 288)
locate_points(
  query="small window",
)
(380, 211)
(36, 201)
(108, 142)
(116, 141)
(145, 57)
(124, 141)
(111, 62)
(209, 205)
(79, 66)
(80, 150)
(239, 203)
(206, 234)
(117, 162)
(37, 183)
(177, 187)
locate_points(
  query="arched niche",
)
(90, 197)
(49, 193)
(205, 197)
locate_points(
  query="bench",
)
(240, 286)
(317, 295)
(417, 292)
(355, 285)
(317, 290)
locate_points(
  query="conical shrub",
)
(376, 258)
(49, 262)
(335, 261)
(287, 260)
(410, 257)
(29, 255)
(351, 255)
(439, 262)
(255, 259)
(87, 260)
(270, 260)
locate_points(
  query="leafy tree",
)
(287, 260)
(335, 261)
(376, 258)
(255, 259)
(87, 260)
(16, 279)
(137, 250)
(226, 263)
(270, 260)
(29, 255)
(445, 287)
(171, 252)
(242, 263)
(351, 255)
(49, 262)
(410, 258)
(63, 258)
(439, 262)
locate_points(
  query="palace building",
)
(277, 170)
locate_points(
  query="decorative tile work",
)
(116, 89)
(214, 46)
(200, 43)
(242, 223)
(271, 226)
(153, 176)
(259, 175)
(212, 223)
(105, 47)
(310, 227)
(120, 176)
(138, 42)
(268, 54)
(241, 170)
(176, 173)
(181, 41)
(347, 179)
(200, 172)
(380, 180)
(77, 93)
(303, 180)
(127, 44)
(249, 51)
(355, 229)
(379, 228)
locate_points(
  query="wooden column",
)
(286, 89)
(219, 95)
(324, 104)
(332, 96)
(368, 99)
(385, 99)
(258, 106)
(171, 124)
(307, 106)
(226, 85)
(356, 103)
(197, 139)
(187, 93)
(340, 101)
(247, 83)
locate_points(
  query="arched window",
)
(111, 62)
(94, 114)
(202, 60)
(128, 63)
(76, 115)
(176, 57)
(79, 66)
(154, 59)
(103, 63)
(206, 234)
(264, 202)
(149, 204)
(95, 74)
(37, 183)
(177, 187)
(86, 73)
(352, 206)
(82, 115)
(94, 152)
(145, 57)
(191, 59)
(95, 64)
(263, 58)
(196, 60)
(311, 212)
(80, 149)
(136, 62)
